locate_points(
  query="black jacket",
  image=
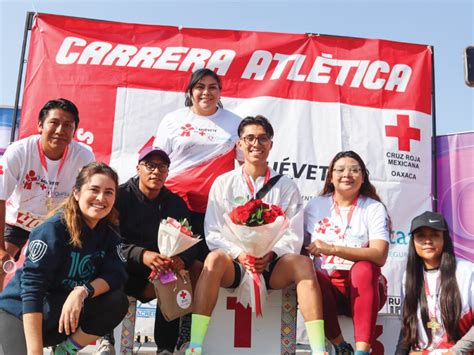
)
(140, 220)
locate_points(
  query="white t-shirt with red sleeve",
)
(200, 149)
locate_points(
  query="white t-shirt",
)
(190, 139)
(465, 281)
(25, 184)
(369, 221)
(231, 190)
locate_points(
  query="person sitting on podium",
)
(226, 263)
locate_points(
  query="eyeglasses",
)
(150, 167)
(251, 139)
(353, 170)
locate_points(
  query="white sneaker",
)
(104, 347)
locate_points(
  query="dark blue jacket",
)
(53, 267)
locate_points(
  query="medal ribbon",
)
(249, 182)
(44, 165)
(428, 294)
(349, 215)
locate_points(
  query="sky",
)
(447, 25)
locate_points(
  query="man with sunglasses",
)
(143, 201)
(226, 263)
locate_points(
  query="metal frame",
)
(30, 16)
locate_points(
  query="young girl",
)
(67, 293)
(438, 292)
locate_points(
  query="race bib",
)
(332, 262)
(27, 220)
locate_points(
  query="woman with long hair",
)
(438, 292)
(349, 229)
(200, 140)
(68, 292)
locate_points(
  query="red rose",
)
(243, 215)
(277, 210)
(269, 216)
(173, 222)
(186, 231)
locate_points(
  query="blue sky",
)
(448, 25)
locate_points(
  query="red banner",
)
(87, 60)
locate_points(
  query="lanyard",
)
(44, 165)
(249, 182)
(349, 215)
(434, 296)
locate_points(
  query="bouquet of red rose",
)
(255, 227)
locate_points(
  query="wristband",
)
(84, 292)
(90, 290)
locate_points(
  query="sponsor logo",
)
(1, 170)
(183, 299)
(409, 163)
(186, 130)
(403, 132)
(36, 250)
(30, 177)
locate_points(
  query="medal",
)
(51, 183)
(433, 324)
(49, 203)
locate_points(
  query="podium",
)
(234, 329)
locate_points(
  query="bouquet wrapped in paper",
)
(174, 291)
(173, 238)
(255, 227)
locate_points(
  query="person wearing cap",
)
(143, 201)
(37, 173)
(437, 294)
(349, 229)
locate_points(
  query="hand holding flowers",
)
(255, 228)
(174, 237)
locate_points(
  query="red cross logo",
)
(187, 128)
(403, 132)
(202, 133)
(183, 295)
(29, 178)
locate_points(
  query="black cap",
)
(429, 219)
(147, 151)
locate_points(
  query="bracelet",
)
(84, 292)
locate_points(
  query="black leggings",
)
(100, 314)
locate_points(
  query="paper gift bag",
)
(174, 298)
